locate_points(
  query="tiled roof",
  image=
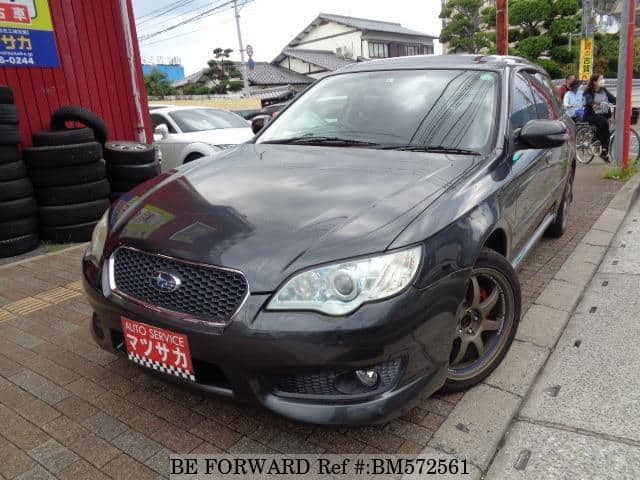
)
(372, 25)
(322, 58)
(265, 73)
(193, 78)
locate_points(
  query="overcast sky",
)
(267, 25)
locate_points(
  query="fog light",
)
(368, 378)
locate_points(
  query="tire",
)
(9, 135)
(69, 233)
(62, 155)
(6, 95)
(584, 145)
(84, 192)
(9, 153)
(559, 225)
(59, 177)
(634, 147)
(133, 173)
(18, 228)
(80, 115)
(491, 271)
(12, 171)
(74, 213)
(16, 209)
(18, 245)
(69, 136)
(15, 189)
(123, 187)
(128, 153)
(8, 114)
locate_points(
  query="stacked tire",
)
(128, 165)
(68, 171)
(18, 209)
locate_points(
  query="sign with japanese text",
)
(586, 58)
(26, 34)
(159, 349)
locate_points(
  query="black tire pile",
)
(128, 165)
(18, 208)
(67, 168)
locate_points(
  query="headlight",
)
(341, 288)
(99, 237)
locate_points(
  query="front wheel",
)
(585, 145)
(634, 146)
(487, 320)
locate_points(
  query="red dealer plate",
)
(158, 349)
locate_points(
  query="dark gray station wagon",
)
(358, 253)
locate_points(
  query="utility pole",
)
(244, 65)
(502, 27)
(625, 84)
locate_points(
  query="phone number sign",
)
(27, 38)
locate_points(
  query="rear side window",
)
(523, 107)
(544, 96)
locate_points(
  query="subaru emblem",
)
(164, 282)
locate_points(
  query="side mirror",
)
(542, 134)
(162, 130)
(259, 122)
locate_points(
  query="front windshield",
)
(199, 119)
(453, 109)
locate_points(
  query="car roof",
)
(174, 108)
(466, 61)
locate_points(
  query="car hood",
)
(271, 210)
(221, 136)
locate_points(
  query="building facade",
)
(332, 41)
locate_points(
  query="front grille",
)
(209, 293)
(327, 382)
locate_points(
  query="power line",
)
(178, 5)
(195, 18)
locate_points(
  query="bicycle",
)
(587, 147)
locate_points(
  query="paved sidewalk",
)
(70, 410)
(580, 420)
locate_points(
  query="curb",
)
(476, 428)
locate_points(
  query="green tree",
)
(529, 15)
(157, 84)
(466, 28)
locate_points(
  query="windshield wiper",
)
(431, 148)
(320, 140)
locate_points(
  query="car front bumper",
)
(408, 336)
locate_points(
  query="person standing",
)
(597, 112)
(564, 88)
(573, 101)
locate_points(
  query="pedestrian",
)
(597, 112)
(574, 101)
(564, 88)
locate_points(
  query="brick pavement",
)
(71, 410)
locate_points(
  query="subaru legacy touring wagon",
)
(357, 254)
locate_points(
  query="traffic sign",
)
(249, 51)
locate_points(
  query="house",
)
(331, 41)
(267, 81)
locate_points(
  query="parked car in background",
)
(358, 254)
(184, 134)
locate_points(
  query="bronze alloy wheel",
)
(486, 321)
